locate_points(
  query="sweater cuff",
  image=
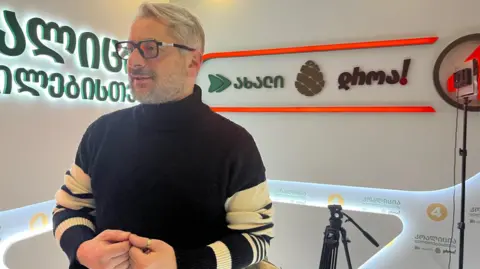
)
(203, 258)
(71, 239)
(76, 265)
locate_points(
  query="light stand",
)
(463, 153)
(331, 239)
(466, 83)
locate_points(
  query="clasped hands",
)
(114, 249)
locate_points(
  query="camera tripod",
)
(332, 239)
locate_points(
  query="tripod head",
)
(336, 216)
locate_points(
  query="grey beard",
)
(159, 95)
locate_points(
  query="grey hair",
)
(183, 25)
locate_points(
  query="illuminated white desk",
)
(425, 216)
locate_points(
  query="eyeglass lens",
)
(149, 49)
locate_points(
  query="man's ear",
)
(196, 61)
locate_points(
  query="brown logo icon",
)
(310, 80)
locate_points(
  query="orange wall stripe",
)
(328, 47)
(340, 109)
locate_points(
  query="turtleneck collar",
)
(173, 115)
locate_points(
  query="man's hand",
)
(109, 250)
(159, 255)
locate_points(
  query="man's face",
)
(161, 79)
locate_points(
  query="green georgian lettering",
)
(23, 75)
(106, 54)
(46, 30)
(279, 82)
(56, 92)
(82, 50)
(18, 36)
(102, 92)
(38, 31)
(267, 82)
(259, 83)
(7, 79)
(72, 90)
(89, 88)
(239, 83)
(117, 91)
(244, 83)
(247, 84)
(86, 89)
(129, 95)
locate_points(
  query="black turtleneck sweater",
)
(176, 172)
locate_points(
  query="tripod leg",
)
(325, 252)
(330, 249)
(334, 257)
(345, 242)
(325, 258)
(329, 259)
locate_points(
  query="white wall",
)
(392, 151)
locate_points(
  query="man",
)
(167, 184)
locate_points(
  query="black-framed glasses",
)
(147, 48)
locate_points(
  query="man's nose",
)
(136, 60)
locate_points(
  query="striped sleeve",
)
(74, 214)
(249, 215)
